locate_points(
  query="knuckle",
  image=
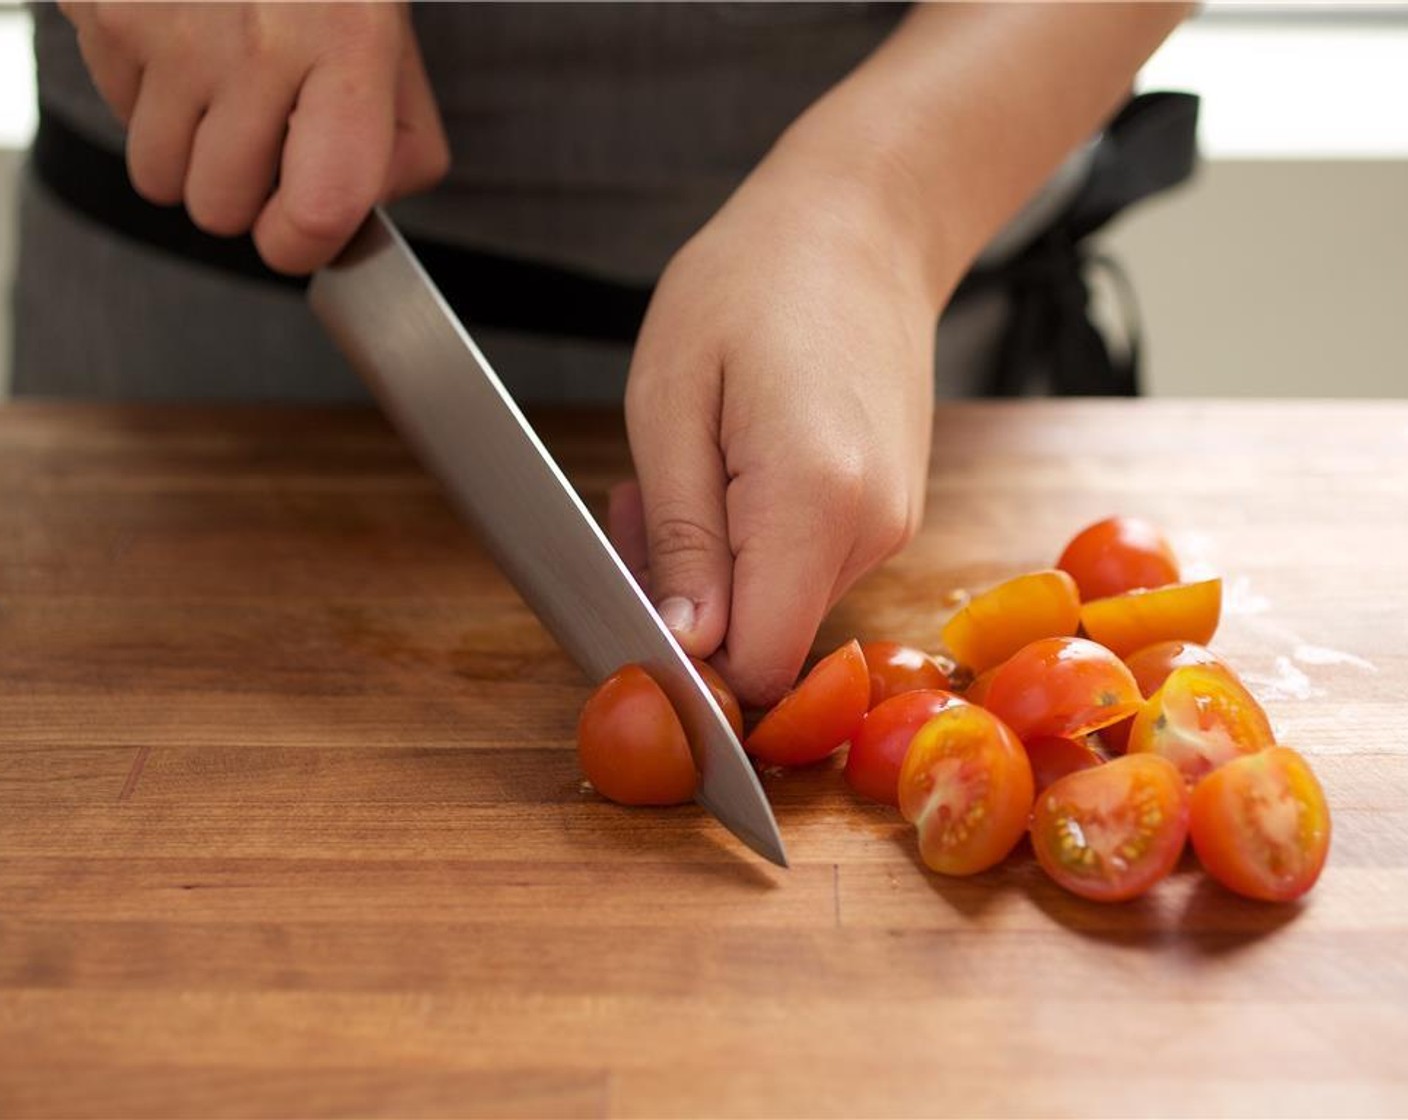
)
(327, 215)
(678, 540)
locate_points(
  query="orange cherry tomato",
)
(977, 692)
(1052, 759)
(1126, 623)
(1062, 687)
(723, 695)
(895, 669)
(631, 745)
(878, 747)
(1260, 825)
(966, 785)
(991, 627)
(1200, 718)
(1117, 555)
(818, 715)
(1111, 833)
(1151, 667)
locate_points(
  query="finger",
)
(160, 133)
(235, 155)
(116, 74)
(420, 156)
(625, 525)
(672, 423)
(334, 163)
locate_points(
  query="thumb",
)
(674, 442)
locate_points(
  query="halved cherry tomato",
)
(991, 627)
(895, 669)
(1200, 718)
(1128, 622)
(818, 715)
(1111, 833)
(1052, 759)
(878, 747)
(1260, 825)
(977, 692)
(966, 785)
(1151, 667)
(1062, 687)
(1117, 555)
(723, 695)
(630, 742)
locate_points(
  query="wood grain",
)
(290, 822)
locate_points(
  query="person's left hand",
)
(779, 409)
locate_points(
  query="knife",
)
(385, 314)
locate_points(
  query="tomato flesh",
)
(1200, 718)
(1063, 688)
(966, 786)
(1151, 666)
(879, 745)
(1052, 759)
(1117, 555)
(631, 745)
(993, 626)
(1111, 833)
(817, 716)
(1261, 826)
(1182, 611)
(896, 669)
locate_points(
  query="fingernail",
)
(678, 614)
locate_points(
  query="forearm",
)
(967, 109)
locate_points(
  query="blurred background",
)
(1282, 270)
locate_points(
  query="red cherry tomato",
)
(1052, 759)
(1128, 622)
(991, 627)
(1200, 718)
(819, 715)
(630, 742)
(966, 785)
(895, 669)
(1061, 687)
(977, 692)
(723, 695)
(1117, 555)
(1151, 667)
(1260, 825)
(1111, 833)
(878, 747)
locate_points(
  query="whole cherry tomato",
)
(1151, 667)
(723, 695)
(1061, 687)
(631, 745)
(1052, 759)
(1111, 833)
(966, 785)
(895, 669)
(977, 691)
(878, 747)
(818, 715)
(1117, 555)
(1260, 825)
(991, 627)
(1128, 622)
(1200, 718)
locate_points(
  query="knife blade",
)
(385, 314)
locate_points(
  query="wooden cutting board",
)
(290, 822)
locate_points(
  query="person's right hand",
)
(290, 120)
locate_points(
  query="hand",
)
(779, 411)
(291, 120)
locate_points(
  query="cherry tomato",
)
(977, 692)
(818, 715)
(1062, 687)
(1117, 555)
(1151, 667)
(991, 627)
(630, 742)
(1260, 825)
(1111, 833)
(966, 785)
(878, 747)
(1125, 623)
(895, 669)
(723, 695)
(1052, 759)
(1200, 718)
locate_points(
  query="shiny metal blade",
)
(385, 314)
